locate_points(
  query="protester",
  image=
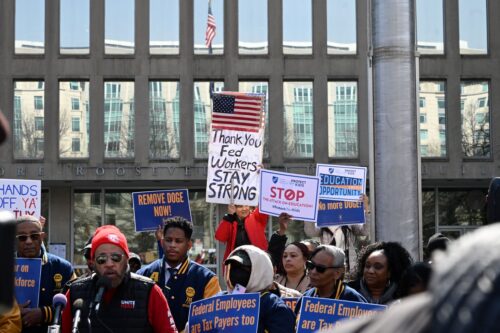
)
(294, 262)
(10, 321)
(183, 281)
(277, 242)
(311, 244)
(251, 268)
(462, 297)
(131, 303)
(242, 227)
(436, 242)
(134, 262)
(55, 273)
(379, 270)
(415, 279)
(326, 269)
(86, 254)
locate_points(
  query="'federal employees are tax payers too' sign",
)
(226, 313)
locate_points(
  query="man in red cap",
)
(113, 298)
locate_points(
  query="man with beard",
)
(130, 303)
(182, 280)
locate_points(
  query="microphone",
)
(58, 302)
(102, 284)
(78, 306)
(7, 241)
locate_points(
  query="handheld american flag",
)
(211, 26)
(237, 111)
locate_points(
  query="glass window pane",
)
(164, 113)
(297, 27)
(252, 27)
(475, 119)
(259, 87)
(119, 27)
(200, 26)
(428, 214)
(30, 27)
(341, 27)
(430, 27)
(164, 26)
(473, 27)
(203, 116)
(75, 27)
(462, 207)
(119, 119)
(298, 118)
(342, 119)
(433, 112)
(74, 119)
(87, 218)
(28, 126)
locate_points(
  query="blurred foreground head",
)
(463, 294)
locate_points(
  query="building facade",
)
(108, 97)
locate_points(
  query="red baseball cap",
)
(109, 234)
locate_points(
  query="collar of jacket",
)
(184, 266)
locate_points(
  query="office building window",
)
(28, 124)
(259, 87)
(30, 27)
(73, 120)
(74, 27)
(473, 26)
(475, 119)
(118, 126)
(203, 116)
(252, 27)
(342, 119)
(164, 26)
(298, 119)
(297, 27)
(432, 118)
(430, 25)
(164, 120)
(119, 27)
(200, 26)
(341, 27)
(75, 145)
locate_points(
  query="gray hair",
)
(336, 253)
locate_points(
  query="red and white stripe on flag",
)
(237, 111)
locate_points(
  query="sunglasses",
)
(34, 237)
(319, 268)
(103, 258)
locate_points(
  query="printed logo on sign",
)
(331, 170)
(127, 304)
(275, 179)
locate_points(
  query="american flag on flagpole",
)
(237, 111)
(210, 32)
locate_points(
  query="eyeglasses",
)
(319, 268)
(103, 258)
(34, 237)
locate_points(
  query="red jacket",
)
(255, 226)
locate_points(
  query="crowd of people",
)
(119, 293)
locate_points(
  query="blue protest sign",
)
(341, 182)
(226, 313)
(332, 212)
(27, 280)
(323, 313)
(153, 208)
(290, 302)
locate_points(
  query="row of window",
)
(164, 26)
(298, 118)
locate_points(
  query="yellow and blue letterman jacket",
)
(191, 283)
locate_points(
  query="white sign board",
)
(21, 196)
(290, 193)
(341, 182)
(234, 159)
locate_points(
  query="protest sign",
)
(340, 182)
(290, 302)
(153, 208)
(294, 194)
(27, 274)
(226, 313)
(20, 196)
(233, 164)
(333, 212)
(324, 313)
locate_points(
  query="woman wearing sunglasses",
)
(326, 268)
(379, 270)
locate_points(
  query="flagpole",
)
(209, 36)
